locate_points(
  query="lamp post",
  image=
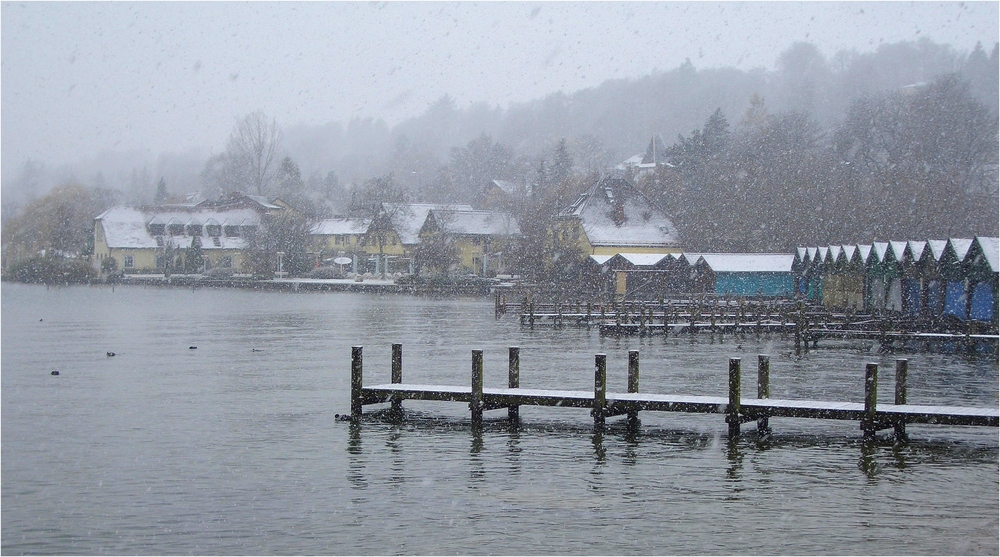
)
(281, 256)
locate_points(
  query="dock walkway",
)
(604, 404)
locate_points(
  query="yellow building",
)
(614, 217)
(142, 240)
(479, 238)
(338, 237)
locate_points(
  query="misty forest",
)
(898, 143)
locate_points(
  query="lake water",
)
(233, 447)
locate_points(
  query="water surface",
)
(232, 447)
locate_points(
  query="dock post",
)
(600, 389)
(633, 384)
(900, 426)
(733, 408)
(763, 390)
(397, 377)
(513, 379)
(868, 425)
(531, 314)
(476, 404)
(356, 373)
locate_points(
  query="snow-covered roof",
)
(408, 218)
(991, 250)
(880, 249)
(937, 248)
(849, 252)
(916, 249)
(601, 259)
(473, 222)
(339, 226)
(961, 246)
(748, 262)
(898, 250)
(262, 201)
(614, 213)
(644, 259)
(865, 250)
(511, 188)
(125, 227)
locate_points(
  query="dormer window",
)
(175, 227)
(193, 227)
(156, 227)
(213, 228)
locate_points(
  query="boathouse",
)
(953, 279)
(744, 274)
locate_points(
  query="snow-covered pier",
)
(604, 404)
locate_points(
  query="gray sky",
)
(79, 78)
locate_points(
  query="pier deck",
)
(603, 404)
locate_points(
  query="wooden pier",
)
(604, 404)
(807, 324)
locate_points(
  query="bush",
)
(52, 270)
(218, 272)
(325, 273)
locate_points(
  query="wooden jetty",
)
(604, 404)
(806, 323)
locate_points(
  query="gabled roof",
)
(937, 248)
(512, 188)
(880, 249)
(991, 250)
(898, 250)
(408, 218)
(644, 259)
(748, 262)
(916, 249)
(655, 151)
(961, 247)
(475, 223)
(339, 226)
(614, 213)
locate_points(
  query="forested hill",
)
(606, 124)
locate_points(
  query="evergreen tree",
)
(193, 256)
(161, 191)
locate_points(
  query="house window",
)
(129, 262)
(194, 230)
(176, 229)
(160, 261)
(157, 229)
(214, 230)
(232, 230)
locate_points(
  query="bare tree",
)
(254, 151)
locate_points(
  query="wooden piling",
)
(763, 390)
(600, 389)
(899, 426)
(513, 379)
(633, 384)
(868, 423)
(733, 408)
(356, 380)
(397, 377)
(476, 404)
